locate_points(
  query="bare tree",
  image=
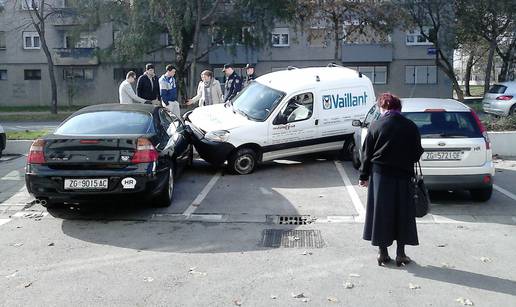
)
(439, 17)
(507, 52)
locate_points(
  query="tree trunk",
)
(195, 49)
(467, 74)
(336, 30)
(444, 64)
(490, 57)
(53, 83)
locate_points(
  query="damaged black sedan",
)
(108, 152)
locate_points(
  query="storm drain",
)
(292, 238)
(290, 219)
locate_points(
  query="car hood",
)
(216, 117)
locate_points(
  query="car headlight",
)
(217, 136)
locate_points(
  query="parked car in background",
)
(501, 99)
(3, 140)
(457, 153)
(110, 151)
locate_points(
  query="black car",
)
(110, 151)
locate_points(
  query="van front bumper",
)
(213, 152)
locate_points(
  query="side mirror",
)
(281, 119)
(357, 123)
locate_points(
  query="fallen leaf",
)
(442, 245)
(332, 300)
(51, 244)
(349, 285)
(414, 286)
(148, 279)
(274, 297)
(237, 302)
(485, 259)
(299, 295)
(28, 285)
(354, 275)
(464, 301)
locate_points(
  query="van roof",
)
(295, 79)
(422, 104)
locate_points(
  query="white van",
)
(284, 113)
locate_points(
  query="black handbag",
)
(420, 193)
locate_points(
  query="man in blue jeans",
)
(168, 91)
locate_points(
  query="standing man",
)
(233, 83)
(148, 86)
(168, 91)
(251, 74)
(126, 93)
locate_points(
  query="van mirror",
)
(356, 123)
(281, 119)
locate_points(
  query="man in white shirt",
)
(126, 92)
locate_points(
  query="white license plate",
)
(86, 184)
(443, 156)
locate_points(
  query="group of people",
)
(163, 91)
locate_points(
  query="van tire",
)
(355, 157)
(242, 162)
(481, 194)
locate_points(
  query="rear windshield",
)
(497, 89)
(107, 123)
(445, 124)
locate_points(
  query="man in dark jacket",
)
(233, 83)
(148, 85)
(250, 74)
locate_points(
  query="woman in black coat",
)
(391, 147)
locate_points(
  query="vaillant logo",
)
(347, 100)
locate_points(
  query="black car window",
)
(497, 89)
(445, 124)
(107, 123)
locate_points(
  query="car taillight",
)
(145, 152)
(36, 154)
(504, 97)
(482, 129)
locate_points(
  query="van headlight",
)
(217, 136)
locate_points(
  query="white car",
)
(457, 153)
(501, 99)
(3, 140)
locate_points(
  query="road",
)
(217, 244)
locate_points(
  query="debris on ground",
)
(293, 238)
(12, 275)
(51, 244)
(442, 245)
(464, 301)
(413, 286)
(349, 285)
(485, 259)
(332, 300)
(237, 302)
(306, 253)
(28, 284)
(16, 244)
(447, 265)
(148, 279)
(299, 295)
(194, 271)
(274, 297)
(354, 275)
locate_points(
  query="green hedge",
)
(500, 123)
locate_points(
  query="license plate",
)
(443, 156)
(86, 184)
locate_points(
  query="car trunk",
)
(65, 152)
(449, 152)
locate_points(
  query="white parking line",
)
(359, 207)
(198, 200)
(14, 175)
(4, 221)
(505, 192)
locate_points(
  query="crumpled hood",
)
(216, 117)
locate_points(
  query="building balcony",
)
(65, 17)
(359, 53)
(236, 54)
(75, 56)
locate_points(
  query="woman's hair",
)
(208, 73)
(130, 74)
(389, 101)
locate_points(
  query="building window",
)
(84, 40)
(415, 38)
(280, 37)
(119, 74)
(3, 74)
(421, 74)
(32, 74)
(166, 40)
(78, 73)
(2, 40)
(377, 74)
(29, 4)
(31, 40)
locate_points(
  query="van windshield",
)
(257, 101)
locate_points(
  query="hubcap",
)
(244, 164)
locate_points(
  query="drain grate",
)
(290, 219)
(292, 238)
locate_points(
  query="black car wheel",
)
(164, 199)
(190, 157)
(482, 194)
(243, 161)
(355, 158)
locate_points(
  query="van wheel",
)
(481, 194)
(164, 199)
(355, 158)
(242, 161)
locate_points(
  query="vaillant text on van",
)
(348, 100)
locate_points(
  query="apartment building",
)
(403, 64)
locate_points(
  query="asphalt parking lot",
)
(217, 245)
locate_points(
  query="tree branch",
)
(211, 11)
